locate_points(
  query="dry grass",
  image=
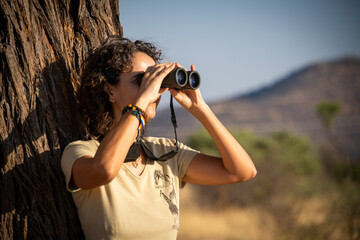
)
(235, 223)
(227, 224)
(241, 223)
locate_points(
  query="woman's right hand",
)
(150, 88)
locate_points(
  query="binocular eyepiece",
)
(179, 79)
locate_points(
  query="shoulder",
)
(92, 144)
(74, 151)
(80, 148)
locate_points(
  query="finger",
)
(163, 90)
(164, 72)
(178, 65)
(174, 92)
(160, 69)
(154, 71)
(156, 68)
(164, 64)
(192, 67)
(168, 64)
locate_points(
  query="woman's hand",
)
(234, 165)
(150, 88)
(189, 99)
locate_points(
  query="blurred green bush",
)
(291, 171)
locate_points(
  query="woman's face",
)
(127, 88)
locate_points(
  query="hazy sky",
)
(238, 46)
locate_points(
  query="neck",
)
(117, 115)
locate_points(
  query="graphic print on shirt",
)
(164, 182)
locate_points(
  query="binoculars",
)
(179, 79)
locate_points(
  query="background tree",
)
(42, 44)
(328, 111)
(345, 172)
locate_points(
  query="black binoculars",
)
(179, 79)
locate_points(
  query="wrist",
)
(200, 110)
(141, 103)
(138, 112)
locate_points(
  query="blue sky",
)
(239, 46)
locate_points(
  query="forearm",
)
(235, 159)
(115, 146)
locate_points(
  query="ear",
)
(110, 93)
(107, 89)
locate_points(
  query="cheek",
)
(126, 95)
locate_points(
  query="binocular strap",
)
(135, 149)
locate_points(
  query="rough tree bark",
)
(42, 44)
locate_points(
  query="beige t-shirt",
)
(131, 206)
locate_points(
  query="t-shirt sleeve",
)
(185, 156)
(72, 152)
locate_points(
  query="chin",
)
(151, 111)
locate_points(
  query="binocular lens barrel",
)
(193, 80)
(179, 79)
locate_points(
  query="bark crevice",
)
(42, 46)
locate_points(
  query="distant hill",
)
(288, 104)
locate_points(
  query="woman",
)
(122, 193)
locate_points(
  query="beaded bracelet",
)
(133, 107)
(137, 112)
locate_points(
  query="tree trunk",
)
(42, 46)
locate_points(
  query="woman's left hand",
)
(189, 99)
(233, 166)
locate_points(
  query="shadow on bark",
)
(34, 202)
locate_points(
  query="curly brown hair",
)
(105, 65)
